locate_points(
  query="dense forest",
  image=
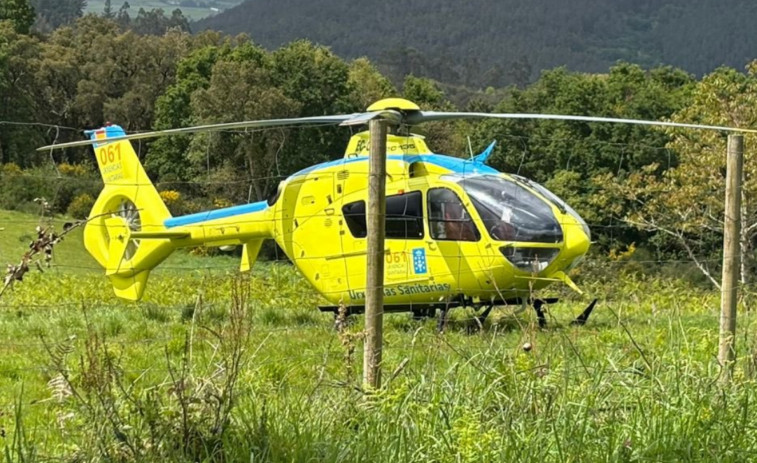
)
(661, 190)
(497, 42)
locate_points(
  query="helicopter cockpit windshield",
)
(510, 211)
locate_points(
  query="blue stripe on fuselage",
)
(455, 165)
(215, 214)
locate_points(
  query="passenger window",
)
(404, 217)
(447, 217)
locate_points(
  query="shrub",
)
(72, 170)
(66, 189)
(80, 206)
(20, 187)
(174, 202)
(221, 203)
(170, 196)
(11, 169)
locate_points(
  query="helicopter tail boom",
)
(125, 231)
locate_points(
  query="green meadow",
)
(217, 366)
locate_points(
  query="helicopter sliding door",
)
(405, 232)
(404, 238)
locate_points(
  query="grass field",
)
(193, 13)
(216, 367)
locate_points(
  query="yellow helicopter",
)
(458, 232)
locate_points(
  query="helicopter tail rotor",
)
(128, 210)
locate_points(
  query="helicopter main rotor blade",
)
(390, 115)
(430, 116)
(295, 121)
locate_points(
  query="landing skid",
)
(538, 305)
(424, 312)
(442, 322)
(430, 311)
(540, 314)
(581, 320)
(584, 317)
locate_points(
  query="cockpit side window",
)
(447, 217)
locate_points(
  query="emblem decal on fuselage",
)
(419, 261)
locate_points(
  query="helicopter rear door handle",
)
(431, 245)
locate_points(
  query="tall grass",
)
(638, 383)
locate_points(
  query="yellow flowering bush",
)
(170, 196)
(72, 170)
(221, 202)
(11, 169)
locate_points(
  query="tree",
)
(318, 81)
(155, 22)
(242, 90)
(166, 157)
(93, 72)
(423, 91)
(367, 83)
(18, 60)
(51, 14)
(443, 137)
(122, 17)
(150, 22)
(686, 204)
(520, 72)
(18, 12)
(108, 10)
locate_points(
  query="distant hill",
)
(498, 42)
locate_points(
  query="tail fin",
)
(128, 204)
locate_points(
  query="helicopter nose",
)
(577, 239)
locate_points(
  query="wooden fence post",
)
(731, 256)
(374, 285)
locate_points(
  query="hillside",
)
(497, 42)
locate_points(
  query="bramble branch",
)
(40, 250)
